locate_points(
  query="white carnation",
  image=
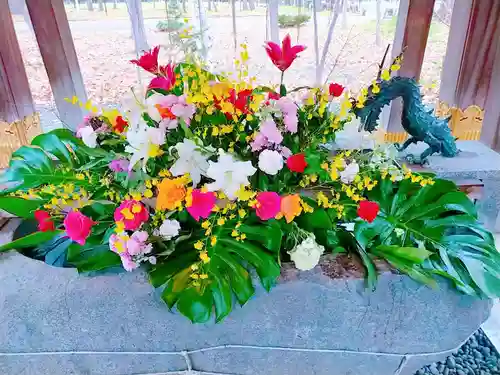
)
(169, 229)
(270, 162)
(306, 255)
(348, 174)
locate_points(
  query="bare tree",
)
(134, 8)
(212, 3)
(115, 4)
(101, 5)
(233, 13)
(90, 6)
(344, 15)
(378, 37)
(321, 66)
(273, 6)
(77, 5)
(251, 4)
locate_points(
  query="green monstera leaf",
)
(52, 158)
(228, 272)
(427, 231)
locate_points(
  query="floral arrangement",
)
(206, 177)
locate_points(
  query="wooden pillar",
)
(16, 101)
(59, 56)
(470, 55)
(412, 31)
(471, 69)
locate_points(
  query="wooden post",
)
(59, 56)
(16, 101)
(412, 31)
(469, 60)
(19, 122)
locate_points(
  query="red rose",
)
(45, 224)
(78, 226)
(297, 163)
(335, 89)
(368, 210)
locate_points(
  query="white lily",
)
(229, 174)
(191, 161)
(144, 142)
(89, 136)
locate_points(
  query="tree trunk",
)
(378, 37)
(251, 4)
(115, 4)
(244, 4)
(101, 6)
(329, 37)
(184, 7)
(134, 8)
(77, 5)
(90, 6)
(233, 13)
(273, 20)
(344, 14)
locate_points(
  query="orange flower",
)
(290, 207)
(171, 193)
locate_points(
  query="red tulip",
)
(336, 89)
(149, 60)
(368, 210)
(45, 224)
(283, 57)
(297, 163)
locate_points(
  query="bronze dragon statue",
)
(419, 122)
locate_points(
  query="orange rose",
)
(290, 207)
(171, 193)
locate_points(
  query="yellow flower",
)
(204, 257)
(243, 236)
(235, 233)
(203, 276)
(148, 193)
(80, 176)
(205, 225)
(221, 221)
(334, 174)
(198, 245)
(194, 267)
(213, 240)
(120, 226)
(242, 213)
(386, 75)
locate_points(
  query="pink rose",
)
(268, 205)
(78, 226)
(132, 213)
(201, 204)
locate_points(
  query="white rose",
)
(169, 229)
(348, 174)
(306, 255)
(270, 162)
(89, 136)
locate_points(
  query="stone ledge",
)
(47, 309)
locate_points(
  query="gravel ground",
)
(476, 357)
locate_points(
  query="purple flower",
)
(119, 165)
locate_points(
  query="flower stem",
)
(282, 75)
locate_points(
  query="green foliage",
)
(50, 159)
(428, 231)
(169, 25)
(228, 272)
(286, 20)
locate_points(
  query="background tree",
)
(378, 37)
(134, 8)
(90, 6)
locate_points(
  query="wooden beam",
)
(470, 55)
(16, 101)
(490, 133)
(53, 35)
(412, 31)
